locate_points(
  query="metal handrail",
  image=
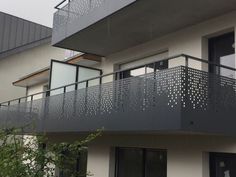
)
(59, 4)
(187, 58)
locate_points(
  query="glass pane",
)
(161, 65)
(144, 61)
(62, 74)
(87, 73)
(222, 165)
(228, 60)
(82, 164)
(150, 68)
(107, 79)
(130, 163)
(195, 64)
(137, 72)
(156, 163)
(82, 85)
(74, 165)
(175, 62)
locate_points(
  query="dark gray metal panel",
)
(210, 102)
(2, 21)
(13, 32)
(179, 99)
(32, 29)
(20, 29)
(43, 32)
(37, 32)
(134, 104)
(6, 34)
(26, 32)
(17, 34)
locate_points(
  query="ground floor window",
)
(78, 164)
(139, 162)
(222, 165)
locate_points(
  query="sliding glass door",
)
(222, 165)
(140, 67)
(222, 51)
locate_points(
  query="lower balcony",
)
(180, 99)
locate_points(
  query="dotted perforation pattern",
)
(169, 89)
(71, 13)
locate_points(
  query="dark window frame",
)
(144, 156)
(77, 166)
(157, 66)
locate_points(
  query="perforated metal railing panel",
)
(209, 103)
(74, 10)
(79, 14)
(175, 99)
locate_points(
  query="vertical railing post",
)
(154, 84)
(87, 83)
(145, 88)
(186, 61)
(185, 95)
(31, 103)
(64, 98)
(64, 89)
(122, 92)
(100, 95)
(86, 98)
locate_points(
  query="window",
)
(139, 67)
(222, 51)
(222, 165)
(78, 164)
(63, 74)
(137, 162)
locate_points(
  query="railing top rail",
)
(119, 71)
(59, 4)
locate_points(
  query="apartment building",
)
(24, 47)
(163, 90)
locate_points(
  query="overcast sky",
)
(39, 11)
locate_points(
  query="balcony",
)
(116, 25)
(184, 98)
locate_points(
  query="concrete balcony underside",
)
(106, 26)
(178, 99)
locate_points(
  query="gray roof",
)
(17, 34)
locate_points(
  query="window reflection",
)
(138, 162)
(150, 68)
(228, 60)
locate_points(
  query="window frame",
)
(144, 153)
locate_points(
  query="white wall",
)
(16, 66)
(187, 155)
(36, 89)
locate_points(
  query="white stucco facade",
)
(16, 66)
(187, 155)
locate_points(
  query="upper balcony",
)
(103, 27)
(184, 98)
